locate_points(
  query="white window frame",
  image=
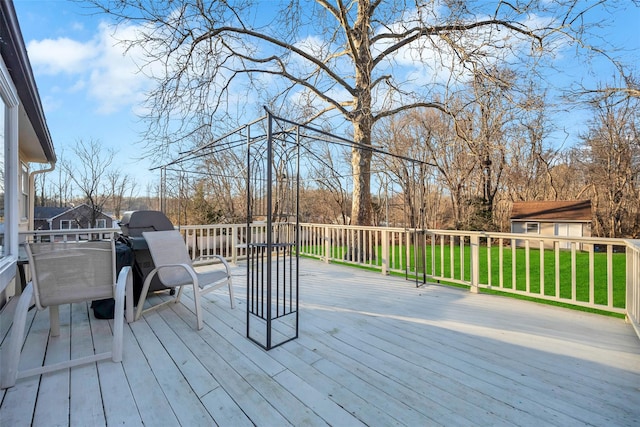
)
(528, 224)
(24, 192)
(71, 224)
(9, 97)
(101, 223)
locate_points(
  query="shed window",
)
(533, 228)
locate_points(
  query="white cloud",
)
(114, 79)
(61, 55)
(99, 67)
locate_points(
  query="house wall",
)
(25, 139)
(81, 215)
(549, 228)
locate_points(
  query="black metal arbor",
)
(273, 193)
(277, 155)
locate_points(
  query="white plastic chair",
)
(175, 270)
(65, 273)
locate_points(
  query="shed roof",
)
(575, 210)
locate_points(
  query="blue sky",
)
(91, 91)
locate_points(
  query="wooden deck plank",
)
(461, 392)
(117, 399)
(183, 400)
(373, 350)
(85, 406)
(298, 358)
(224, 410)
(205, 344)
(535, 378)
(419, 327)
(261, 381)
(198, 377)
(148, 400)
(19, 402)
(52, 406)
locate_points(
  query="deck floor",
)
(372, 350)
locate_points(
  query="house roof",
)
(576, 210)
(47, 212)
(35, 139)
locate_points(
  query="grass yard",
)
(439, 265)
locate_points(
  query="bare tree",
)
(329, 172)
(610, 156)
(119, 185)
(56, 187)
(369, 60)
(407, 140)
(90, 175)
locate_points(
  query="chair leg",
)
(12, 356)
(143, 293)
(233, 303)
(123, 284)
(178, 294)
(128, 298)
(54, 320)
(196, 299)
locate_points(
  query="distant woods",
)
(468, 170)
(466, 89)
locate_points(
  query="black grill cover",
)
(134, 223)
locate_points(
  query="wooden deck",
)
(372, 350)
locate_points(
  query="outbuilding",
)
(69, 218)
(552, 218)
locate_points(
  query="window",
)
(3, 121)
(24, 192)
(68, 224)
(532, 228)
(8, 177)
(101, 223)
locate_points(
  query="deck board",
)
(373, 350)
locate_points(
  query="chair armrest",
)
(125, 280)
(189, 269)
(147, 282)
(220, 257)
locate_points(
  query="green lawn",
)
(565, 274)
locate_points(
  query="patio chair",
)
(66, 273)
(175, 270)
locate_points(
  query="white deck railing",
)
(601, 274)
(588, 272)
(69, 235)
(633, 284)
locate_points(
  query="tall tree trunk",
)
(362, 118)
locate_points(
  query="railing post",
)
(327, 245)
(475, 262)
(632, 309)
(385, 252)
(234, 243)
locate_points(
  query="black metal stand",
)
(272, 256)
(272, 294)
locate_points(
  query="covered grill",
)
(133, 224)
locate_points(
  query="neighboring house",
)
(552, 218)
(26, 140)
(66, 218)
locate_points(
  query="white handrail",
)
(582, 271)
